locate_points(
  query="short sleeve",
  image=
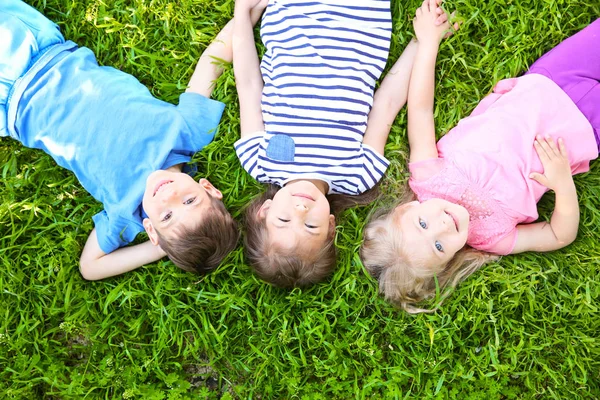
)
(425, 169)
(247, 150)
(114, 232)
(202, 115)
(502, 246)
(375, 165)
(502, 87)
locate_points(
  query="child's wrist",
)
(566, 188)
(429, 46)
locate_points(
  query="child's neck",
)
(174, 168)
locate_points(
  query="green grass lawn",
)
(524, 327)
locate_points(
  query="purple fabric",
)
(574, 65)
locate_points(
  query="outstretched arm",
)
(392, 94)
(564, 223)
(95, 264)
(248, 79)
(208, 68)
(421, 126)
(389, 99)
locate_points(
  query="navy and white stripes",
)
(321, 63)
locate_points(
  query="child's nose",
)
(300, 207)
(445, 225)
(168, 195)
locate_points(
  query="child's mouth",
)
(305, 196)
(159, 185)
(454, 219)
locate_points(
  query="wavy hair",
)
(401, 281)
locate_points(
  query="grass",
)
(524, 327)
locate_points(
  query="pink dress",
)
(485, 161)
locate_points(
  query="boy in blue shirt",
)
(126, 147)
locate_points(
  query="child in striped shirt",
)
(310, 124)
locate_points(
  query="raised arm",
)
(564, 223)
(392, 94)
(95, 264)
(421, 127)
(248, 79)
(208, 68)
(389, 99)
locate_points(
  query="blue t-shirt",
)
(107, 128)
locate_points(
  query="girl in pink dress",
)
(476, 190)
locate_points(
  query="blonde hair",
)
(403, 283)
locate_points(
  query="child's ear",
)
(331, 225)
(152, 235)
(264, 209)
(213, 191)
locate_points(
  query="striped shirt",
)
(320, 66)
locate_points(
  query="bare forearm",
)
(119, 261)
(422, 80)
(421, 126)
(246, 65)
(208, 68)
(565, 218)
(248, 80)
(394, 88)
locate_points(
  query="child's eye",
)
(439, 246)
(310, 226)
(422, 223)
(167, 217)
(283, 220)
(189, 201)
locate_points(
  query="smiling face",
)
(298, 217)
(173, 200)
(432, 231)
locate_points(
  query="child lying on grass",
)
(126, 147)
(312, 126)
(477, 189)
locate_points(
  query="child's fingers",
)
(432, 5)
(441, 19)
(425, 6)
(539, 178)
(554, 151)
(540, 149)
(562, 147)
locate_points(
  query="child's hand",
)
(247, 5)
(431, 22)
(257, 10)
(557, 170)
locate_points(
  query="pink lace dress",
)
(485, 161)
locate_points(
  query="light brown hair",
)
(285, 268)
(202, 248)
(403, 283)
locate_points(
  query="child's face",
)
(298, 217)
(432, 231)
(173, 200)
